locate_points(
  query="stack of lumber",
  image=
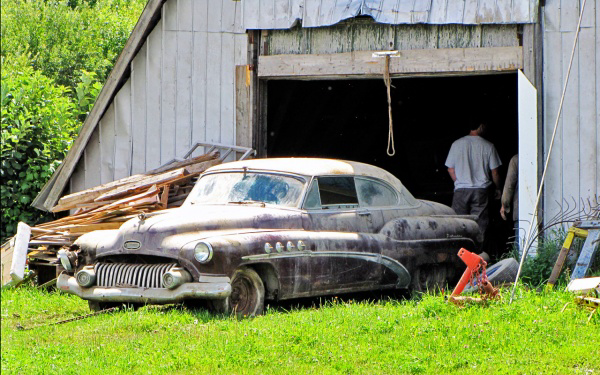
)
(110, 205)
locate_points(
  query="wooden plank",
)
(588, 112)
(243, 106)
(179, 164)
(198, 168)
(199, 88)
(107, 144)
(92, 157)
(200, 19)
(138, 114)
(184, 15)
(213, 86)
(168, 97)
(153, 97)
(86, 228)
(438, 11)
(123, 136)
(104, 98)
(409, 62)
(169, 16)
(6, 261)
(183, 127)
(153, 190)
(228, 91)
(215, 15)
(371, 37)
(142, 184)
(78, 178)
(553, 83)
(570, 124)
(228, 9)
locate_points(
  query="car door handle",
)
(363, 213)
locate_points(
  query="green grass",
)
(531, 336)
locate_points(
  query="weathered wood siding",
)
(366, 35)
(574, 171)
(181, 90)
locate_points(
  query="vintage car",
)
(273, 229)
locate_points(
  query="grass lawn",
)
(430, 336)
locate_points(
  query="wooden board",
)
(454, 60)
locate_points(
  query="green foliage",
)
(431, 336)
(55, 54)
(537, 269)
(65, 38)
(39, 122)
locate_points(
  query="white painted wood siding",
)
(181, 90)
(574, 171)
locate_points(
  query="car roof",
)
(313, 167)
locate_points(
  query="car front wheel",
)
(247, 295)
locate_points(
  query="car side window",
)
(333, 193)
(372, 193)
(313, 201)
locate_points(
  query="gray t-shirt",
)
(472, 158)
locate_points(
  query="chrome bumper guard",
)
(209, 287)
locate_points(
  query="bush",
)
(39, 122)
(65, 38)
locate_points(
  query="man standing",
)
(473, 165)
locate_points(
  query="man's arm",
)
(452, 174)
(496, 179)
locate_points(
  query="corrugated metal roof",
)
(283, 14)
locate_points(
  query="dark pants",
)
(473, 202)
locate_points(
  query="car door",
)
(332, 206)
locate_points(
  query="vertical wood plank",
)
(332, 39)
(92, 160)
(184, 15)
(228, 89)
(243, 107)
(153, 97)
(138, 114)
(372, 36)
(455, 12)
(570, 122)
(213, 88)
(470, 13)
(588, 149)
(486, 11)
(107, 141)
(200, 19)
(78, 177)
(214, 15)
(168, 97)
(504, 11)
(183, 132)
(228, 16)
(552, 90)
(169, 15)
(123, 138)
(199, 97)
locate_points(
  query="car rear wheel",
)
(247, 295)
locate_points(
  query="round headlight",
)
(203, 252)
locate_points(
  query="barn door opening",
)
(348, 119)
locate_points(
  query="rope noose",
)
(391, 151)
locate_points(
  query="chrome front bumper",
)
(209, 287)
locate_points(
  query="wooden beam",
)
(362, 63)
(134, 43)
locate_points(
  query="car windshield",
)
(247, 187)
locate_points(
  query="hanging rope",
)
(539, 194)
(391, 151)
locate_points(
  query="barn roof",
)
(284, 14)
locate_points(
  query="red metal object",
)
(474, 264)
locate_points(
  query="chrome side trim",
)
(392, 264)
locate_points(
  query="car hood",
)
(175, 228)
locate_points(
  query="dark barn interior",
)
(348, 119)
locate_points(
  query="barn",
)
(307, 78)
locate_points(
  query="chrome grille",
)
(131, 275)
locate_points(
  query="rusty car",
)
(273, 229)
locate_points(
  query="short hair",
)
(475, 124)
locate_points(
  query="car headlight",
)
(203, 252)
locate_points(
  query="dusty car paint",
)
(296, 252)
